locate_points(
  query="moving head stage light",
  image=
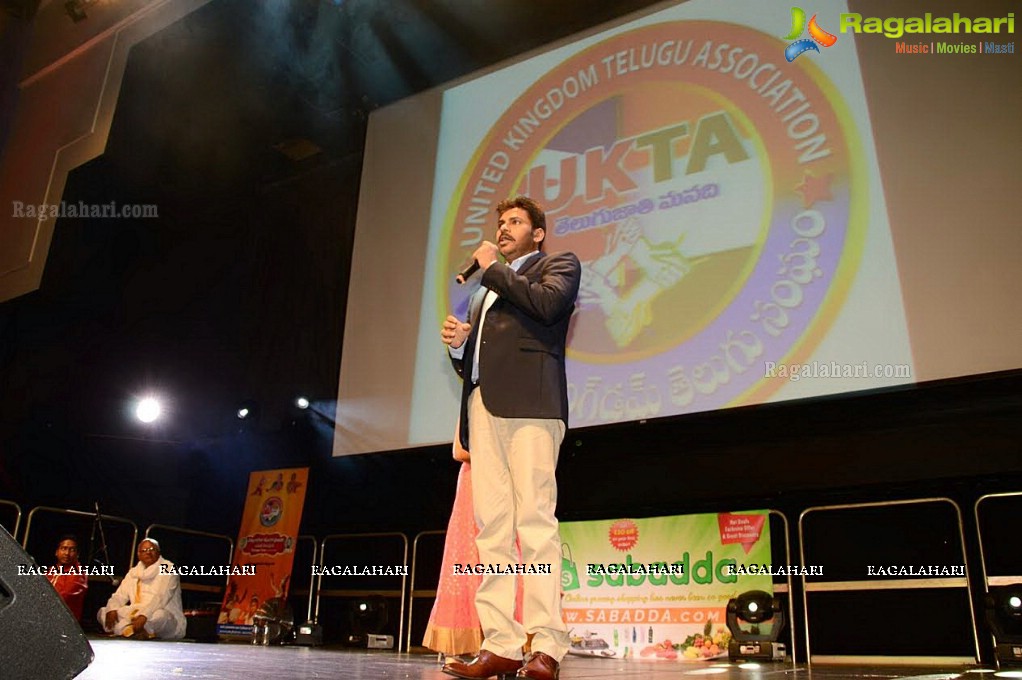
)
(745, 614)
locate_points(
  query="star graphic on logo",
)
(814, 189)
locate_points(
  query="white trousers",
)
(161, 623)
(514, 492)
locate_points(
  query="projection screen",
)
(715, 167)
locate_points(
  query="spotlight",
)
(148, 410)
(302, 403)
(745, 613)
(1004, 618)
(753, 606)
(247, 414)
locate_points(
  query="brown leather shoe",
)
(540, 667)
(486, 665)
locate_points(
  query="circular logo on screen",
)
(708, 191)
(271, 511)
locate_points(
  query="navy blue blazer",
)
(521, 359)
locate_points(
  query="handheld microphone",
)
(465, 273)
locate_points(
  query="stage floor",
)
(118, 659)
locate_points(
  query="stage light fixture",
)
(1003, 613)
(247, 415)
(745, 613)
(302, 403)
(148, 410)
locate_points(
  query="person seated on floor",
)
(148, 602)
(66, 575)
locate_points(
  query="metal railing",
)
(413, 593)
(17, 517)
(91, 515)
(356, 592)
(892, 584)
(198, 587)
(788, 583)
(312, 579)
(988, 580)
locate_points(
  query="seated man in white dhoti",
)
(148, 602)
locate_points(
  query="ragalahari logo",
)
(798, 25)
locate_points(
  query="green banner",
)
(656, 589)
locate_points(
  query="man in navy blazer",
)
(514, 413)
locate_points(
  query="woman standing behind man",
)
(454, 629)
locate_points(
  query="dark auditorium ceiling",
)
(221, 97)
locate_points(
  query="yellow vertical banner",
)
(264, 554)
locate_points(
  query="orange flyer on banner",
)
(266, 545)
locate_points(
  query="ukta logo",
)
(798, 25)
(707, 191)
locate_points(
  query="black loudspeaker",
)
(39, 637)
